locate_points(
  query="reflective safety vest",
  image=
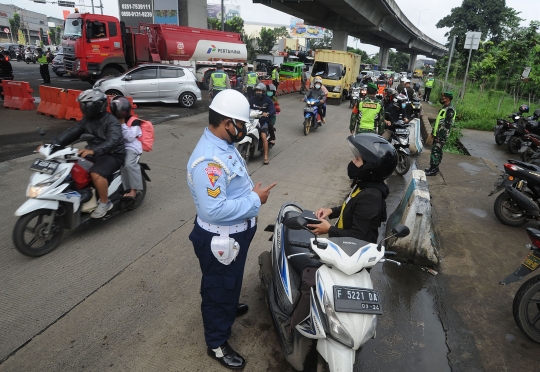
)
(275, 75)
(43, 59)
(429, 83)
(219, 80)
(441, 116)
(251, 79)
(370, 110)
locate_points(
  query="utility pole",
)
(450, 60)
(222, 16)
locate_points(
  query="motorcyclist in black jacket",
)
(106, 150)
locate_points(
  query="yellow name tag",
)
(369, 105)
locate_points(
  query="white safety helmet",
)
(232, 104)
(406, 81)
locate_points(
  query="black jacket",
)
(106, 130)
(363, 214)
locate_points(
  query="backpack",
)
(147, 129)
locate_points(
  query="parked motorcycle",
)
(61, 197)
(532, 152)
(29, 56)
(519, 201)
(505, 129)
(517, 136)
(312, 118)
(323, 285)
(525, 308)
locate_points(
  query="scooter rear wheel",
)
(307, 125)
(526, 308)
(499, 138)
(30, 236)
(507, 211)
(514, 144)
(141, 194)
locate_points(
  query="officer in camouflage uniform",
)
(366, 116)
(440, 132)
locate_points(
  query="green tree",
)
(323, 43)
(59, 34)
(361, 52)
(398, 60)
(235, 24)
(490, 17)
(15, 24)
(281, 32)
(52, 35)
(266, 40)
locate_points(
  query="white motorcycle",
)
(250, 143)
(320, 289)
(61, 197)
(30, 56)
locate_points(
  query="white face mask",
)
(318, 86)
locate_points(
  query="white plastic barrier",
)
(415, 137)
(414, 211)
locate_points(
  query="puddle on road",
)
(477, 212)
(471, 169)
(409, 333)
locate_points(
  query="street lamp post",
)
(423, 10)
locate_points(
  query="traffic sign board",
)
(6, 30)
(473, 40)
(69, 4)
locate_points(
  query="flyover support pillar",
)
(383, 57)
(412, 61)
(339, 42)
(192, 13)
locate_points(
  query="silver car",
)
(154, 83)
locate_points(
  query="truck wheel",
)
(114, 93)
(30, 233)
(187, 100)
(59, 74)
(205, 84)
(109, 71)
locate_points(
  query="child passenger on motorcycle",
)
(131, 172)
(263, 103)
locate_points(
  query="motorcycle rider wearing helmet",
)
(131, 171)
(358, 83)
(227, 203)
(397, 111)
(106, 150)
(388, 99)
(318, 92)
(260, 101)
(366, 116)
(363, 210)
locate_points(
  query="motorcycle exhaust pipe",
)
(529, 206)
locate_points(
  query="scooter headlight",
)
(403, 141)
(36, 190)
(336, 328)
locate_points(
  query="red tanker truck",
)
(97, 45)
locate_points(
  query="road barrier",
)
(414, 211)
(53, 102)
(18, 95)
(415, 137)
(73, 109)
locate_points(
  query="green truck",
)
(291, 70)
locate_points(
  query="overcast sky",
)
(423, 13)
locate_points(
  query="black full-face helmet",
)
(524, 109)
(92, 102)
(379, 156)
(120, 107)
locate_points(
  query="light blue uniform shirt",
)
(220, 184)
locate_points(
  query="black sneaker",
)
(432, 171)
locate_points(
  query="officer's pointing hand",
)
(263, 192)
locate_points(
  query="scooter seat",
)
(298, 263)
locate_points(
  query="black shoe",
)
(242, 310)
(227, 357)
(432, 171)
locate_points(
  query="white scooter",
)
(320, 289)
(61, 196)
(250, 143)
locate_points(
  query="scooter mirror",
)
(295, 223)
(401, 231)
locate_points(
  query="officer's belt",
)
(226, 230)
(219, 88)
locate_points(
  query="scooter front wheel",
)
(499, 138)
(32, 236)
(526, 310)
(514, 144)
(403, 164)
(307, 125)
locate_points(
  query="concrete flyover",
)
(375, 22)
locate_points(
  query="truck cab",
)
(291, 70)
(93, 46)
(338, 71)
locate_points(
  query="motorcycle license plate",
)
(402, 131)
(531, 262)
(357, 300)
(309, 109)
(44, 166)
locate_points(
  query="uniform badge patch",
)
(213, 192)
(213, 171)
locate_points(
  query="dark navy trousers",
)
(220, 284)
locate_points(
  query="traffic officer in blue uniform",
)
(227, 204)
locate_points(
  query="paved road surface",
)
(123, 294)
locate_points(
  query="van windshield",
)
(73, 27)
(327, 70)
(286, 68)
